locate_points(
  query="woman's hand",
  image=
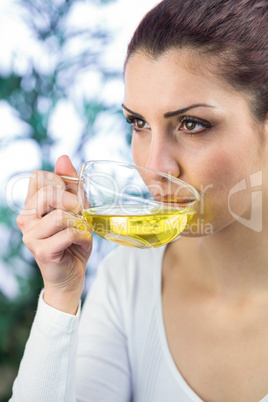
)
(51, 233)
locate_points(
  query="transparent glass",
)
(132, 205)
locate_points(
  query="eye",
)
(193, 125)
(138, 124)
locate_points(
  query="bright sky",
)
(122, 16)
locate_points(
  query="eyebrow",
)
(171, 114)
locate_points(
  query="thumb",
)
(65, 167)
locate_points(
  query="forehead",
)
(177, 77)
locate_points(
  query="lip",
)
(174, 200)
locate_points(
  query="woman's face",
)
(190, 124)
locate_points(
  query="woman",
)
(187, 322)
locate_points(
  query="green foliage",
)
(25, 93)
(8, 85)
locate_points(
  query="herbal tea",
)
(133, 226)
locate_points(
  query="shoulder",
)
(132, 273)
(135, 255)
(125, 292)
(128, 262)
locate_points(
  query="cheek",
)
(210, 167)
(216, 179)
(216, 171)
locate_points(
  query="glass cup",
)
(132, 205)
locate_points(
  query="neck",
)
(232, 263)
(236, 259)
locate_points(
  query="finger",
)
(74, 236)
(65, 167)
(54, 248)
(39, 179)
(44, 201)
(56, 221)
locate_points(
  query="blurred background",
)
(61, 89)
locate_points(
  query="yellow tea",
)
(133, 226)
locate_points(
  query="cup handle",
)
(70, 179)
(78, 216)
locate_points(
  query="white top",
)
(122, 354)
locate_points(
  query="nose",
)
(162, 157)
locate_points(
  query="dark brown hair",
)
(235, 31)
